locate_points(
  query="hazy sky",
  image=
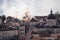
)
(17, 8)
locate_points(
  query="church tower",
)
(51, 20)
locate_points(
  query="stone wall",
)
(8, 33)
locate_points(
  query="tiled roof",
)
(33, 20)
(37, 18)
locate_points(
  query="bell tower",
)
(51, 20)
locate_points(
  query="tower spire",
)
(51, 11)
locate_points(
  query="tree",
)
(3, 18)
(57, 14)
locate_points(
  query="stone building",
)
(51, 20)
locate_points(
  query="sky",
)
(17, 8)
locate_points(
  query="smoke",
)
(14, 8)
(17, 8)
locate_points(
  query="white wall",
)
(51, 22)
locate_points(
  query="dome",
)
(51, 16)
